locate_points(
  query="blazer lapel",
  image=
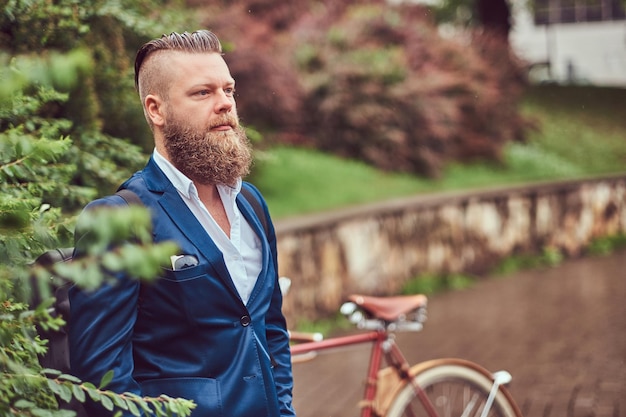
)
(186, 222)
(248, 213)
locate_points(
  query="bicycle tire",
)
(454, 386)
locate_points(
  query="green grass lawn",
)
(582, 132)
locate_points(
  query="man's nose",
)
(224, 103)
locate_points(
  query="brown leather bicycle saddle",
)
(389, 308)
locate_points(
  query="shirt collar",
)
(185, 186)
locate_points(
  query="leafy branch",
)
(61, 123)
(66, 387)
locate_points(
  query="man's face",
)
(202, 134)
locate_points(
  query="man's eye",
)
(230, 91)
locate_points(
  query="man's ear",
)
(154, 109)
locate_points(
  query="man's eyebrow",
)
(213, 84)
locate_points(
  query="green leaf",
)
(24, 404)
(144, 404)
(94, 394)
(106, 379)
(119, 402)
(51, 372)
(89, 385)
(38, 412)
(106, 402)
(70, 378)
(132, 407)
(172, 407)
(158, 410)
(60, 413)
(66, 393)
(112, 261)
(54, 386)
(79, 394)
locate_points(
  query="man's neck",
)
(210, 197)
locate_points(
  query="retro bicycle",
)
(447, 387)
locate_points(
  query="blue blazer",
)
(188, 334)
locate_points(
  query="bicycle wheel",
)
(455, 388)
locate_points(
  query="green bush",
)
(101, 102)
(30, 168)
(54, 157)
(432, 284)
(382, 86)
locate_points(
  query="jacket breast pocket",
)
(182, 275)
(204, 392)
(204, 296)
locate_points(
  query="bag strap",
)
(256, 206)
(130, 197)
(52, 256)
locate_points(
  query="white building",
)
(579, 41)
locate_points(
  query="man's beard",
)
(209, 157)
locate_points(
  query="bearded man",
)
(211, 328)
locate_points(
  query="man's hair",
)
(154, 76)
(198, 41)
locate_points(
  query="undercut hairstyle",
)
(150, 77)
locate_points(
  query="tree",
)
(490, 15)
(31, 166)
(101, 104)
(382, 85)
(495, 17)
(55, 156)
(372, 81)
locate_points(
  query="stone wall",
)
(375, 249)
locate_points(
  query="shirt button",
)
(245, 321)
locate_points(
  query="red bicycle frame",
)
(382, 343)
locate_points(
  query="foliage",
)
(31, 170)
(26, 388)
(296, 181)
(92, 164)
(607, 244)
(251, 33)
(384, 87)
(371, 81)
(141, 259)
(460, 13)
(580, 127)
(34, 175)
(490, 14)
(334, 324)
(430, 284)
(580, 132)
(548, 257)
(102, 103)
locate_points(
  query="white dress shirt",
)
(242, 252)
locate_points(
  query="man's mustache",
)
(225, 120)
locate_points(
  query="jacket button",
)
(245, 321)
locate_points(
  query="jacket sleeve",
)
(100, 330)
(278, 340)
(278, 337)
